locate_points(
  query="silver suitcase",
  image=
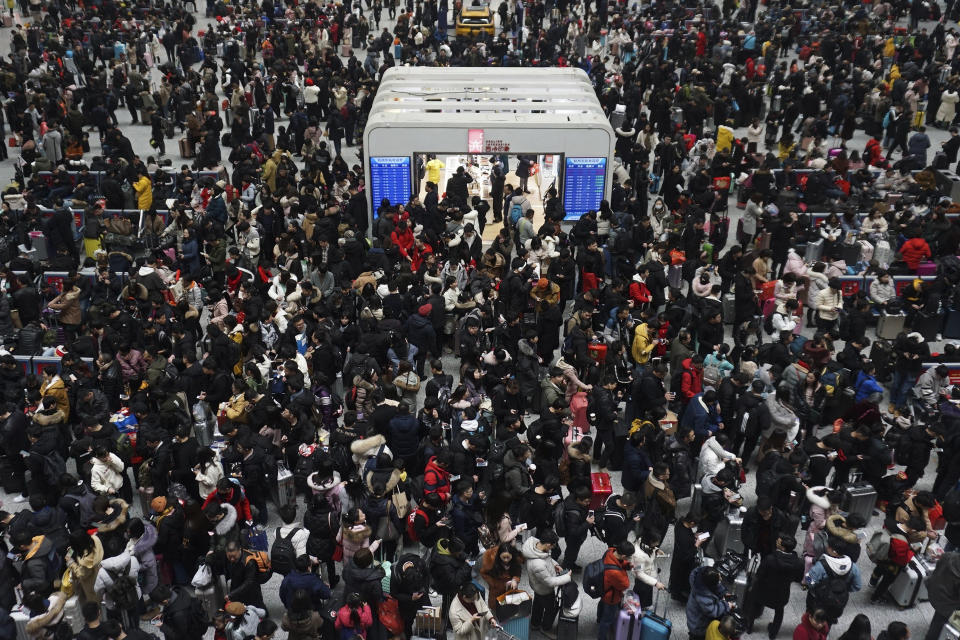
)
(286, 491)
(729, 308)
(72, 614)
(814, 250)
(906, 589)
(728, 534)
(951, 629)
(21, 618)
(890, 326)
(860, 497)
(210, 600)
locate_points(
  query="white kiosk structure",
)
(550, 112)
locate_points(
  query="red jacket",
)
(639, 292)
(691, 380)
(900, 552)
(615, 581)
(805, 630)
(915, 251)
(436, 480)
(403, 240)
(238, 500)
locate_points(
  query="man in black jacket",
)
(578, 520)
(761, 526)
(605, 406)
(727, 395)
(618, 518)
(649, 392)
(753, 418)
(778, 570)
(179, 621)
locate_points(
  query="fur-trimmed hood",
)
(120, 508)
(576, 454)
(364, 445)
(358, 535)
(226, 524)
(51, 616)
(816, 499)
(836, 527)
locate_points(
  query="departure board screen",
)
(584, 180)
(389, 178)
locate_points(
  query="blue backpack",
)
(516, 212)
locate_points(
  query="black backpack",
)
(282, 554)
(833, 591)
(123, 591)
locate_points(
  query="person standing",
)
(778, 570)
(616, 564)
(546, 575)
(943, 588)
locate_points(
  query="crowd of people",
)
(194, 354)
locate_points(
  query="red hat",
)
(309, 82)
(425, 310)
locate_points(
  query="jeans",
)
(606, 618)
(544, 611)
(902, 384)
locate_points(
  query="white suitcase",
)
(72, 614)
(813, 252)
(890, 326)
(21, 618)
(908, 589)
(286, 490)
(883, 254)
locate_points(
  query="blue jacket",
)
(866, 385)
(636, 467)
(309, 582)
(704, 604)
(420, 331)
(404, 437)
(698, 416)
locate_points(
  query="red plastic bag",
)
(390, 616)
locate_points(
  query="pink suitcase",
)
(927, 269)
(769, 306)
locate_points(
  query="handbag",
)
(338, 550)
(390, 615)
(400, 502)
(66, 583)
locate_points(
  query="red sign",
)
(475, 141)
(849, 287)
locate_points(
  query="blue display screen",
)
(389, 178)
(584, 180)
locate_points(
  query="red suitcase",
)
(927, 269)
(600, 484)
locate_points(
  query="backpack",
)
(951, 506)
(516, 212)
(411, 529)
(262, 560)
(833, 590)
(820, 543)
(198, 622)
(711, 376)
(123, 591)
(282, 554)
(560, 519)
(593, 575)
(84, 506)
(567, 344)
(53, 467)
(878, 546)
(124, 447)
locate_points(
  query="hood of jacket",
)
(530, 550)
(51, 616)
(352, 574)
(576, 454)
(360, 447)
(144, 545)
(327, 484)
(117, 563)
(818, 500)
(835, 527)
(526, 348)
(117, 518)
(226, 524)
(355, 534)
(840, 566)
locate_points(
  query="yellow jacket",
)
(144, 189)
(642, 344)
(434, 168)
(724, 138)
(889, 48)
(56, 388)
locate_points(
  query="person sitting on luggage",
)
(920, 505)
(762, 525)
(898, 555)
(707, 601)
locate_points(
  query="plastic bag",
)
(203, 578)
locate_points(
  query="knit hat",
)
(158, 504)
(542, 283)
(235, 609)
(425, 310)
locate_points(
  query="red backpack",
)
(411, 529)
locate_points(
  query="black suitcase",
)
(927, 326)
(567, 628)
(852, 253)
(951, 327)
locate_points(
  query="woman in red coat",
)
(813, 626)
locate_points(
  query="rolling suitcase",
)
(675, 276)
(38, 241)
(629, 625)
(927, 326)
(926, 269)
(906, 588)
(727, 536)
(696, 503)
(951, 628)
(186, 149)
(72, 614)
(209, 599)
(601, 487)
(851, 253)
(286, 490)
(729, 308)
(21, 618)
(813, 252)
(889, 326)
(883, 254)
(951, 327)
(654, 626)
(860, 497)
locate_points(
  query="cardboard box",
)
(670, 422)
